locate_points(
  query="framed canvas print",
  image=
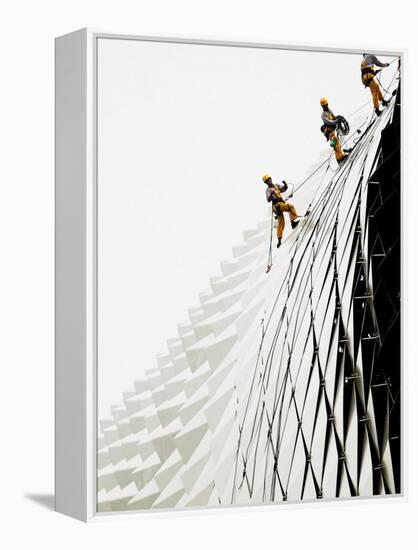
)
(228, 274)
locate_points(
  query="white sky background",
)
(185, 133)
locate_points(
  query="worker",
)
(368, 72)
(279, 206)
(329, 129)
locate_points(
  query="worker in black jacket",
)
(368, 72)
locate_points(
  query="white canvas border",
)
(87, 510)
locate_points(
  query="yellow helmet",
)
(266, 177)
(323, 101)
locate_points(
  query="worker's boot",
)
(342, 159)
(378, 111)
(279, 242)
(295, 223)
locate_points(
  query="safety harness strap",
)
(327, 131)
(368, 70)
(367, 74)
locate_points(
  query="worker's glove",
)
(285, 185)
(387, 64)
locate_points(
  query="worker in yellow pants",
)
(329, 129)
(336, 145)
(279, 205)
(376, 92)
(368, 72)
(279, 208)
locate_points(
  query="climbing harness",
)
(367, 75)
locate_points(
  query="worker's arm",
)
(375, 61)
(329, 121)
(273, 194)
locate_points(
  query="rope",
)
(285, 327)
(286, 375)
(293, 190)
(377, 75)
(351, 135)
(330, 155)
(270, 255)
(288, 380)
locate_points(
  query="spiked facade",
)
(284, 386)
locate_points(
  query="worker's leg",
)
(381, 98)
(368, 82)
(280, 223)
(335, 142)
(288, 207)
(376, 93)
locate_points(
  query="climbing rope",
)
(343, 130)
(327, 159)
(276, 362)
(270, 255)
(356, 131)
(292, 191)
(380, 82)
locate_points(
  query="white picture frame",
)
(76, 166)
